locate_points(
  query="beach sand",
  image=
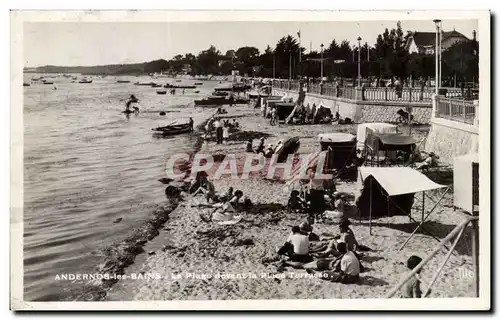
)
(208, 261)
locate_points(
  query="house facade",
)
(425, 42)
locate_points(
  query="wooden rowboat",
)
(172, 129)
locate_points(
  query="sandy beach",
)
(208, 261)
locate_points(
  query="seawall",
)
(365, 111)
(447, 138)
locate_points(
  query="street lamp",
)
(359, 61)
(437, 22)
(322, 62)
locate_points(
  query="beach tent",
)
(321, 112)
(388, 191)
(341, 148)
(284, 109)
(377, 127)
(466, 182)
(388, 145)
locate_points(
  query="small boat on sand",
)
(123, 81)
(144, 83)
(172, 129)
(47, 82)
(161, 92)
(26, 84)
(198, 83)
(156, 85)
(85, 81)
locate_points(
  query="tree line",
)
(386, 58)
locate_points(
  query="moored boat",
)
(172, 129)
(198, 83)
(123, 81)
(144, 83)
(85, 81)
(173, 86)
(161, 92)
(26, 84)
(219, 101)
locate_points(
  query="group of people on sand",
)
(317, 197)
(221, 128)
(267, 151)
(225, 205)
(338, 261)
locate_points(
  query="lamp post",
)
(437, 22)
(359, 62)
(322, 62)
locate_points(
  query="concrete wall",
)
(449, 139)
(363, 111)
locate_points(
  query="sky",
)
(94, 43)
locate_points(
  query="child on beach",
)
(411, 289)
(249, 146)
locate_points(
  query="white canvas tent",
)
(377, 127)
(396, 181)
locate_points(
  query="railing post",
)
(409, 89)
(465, 113)
(449, 107)
(337, 91)
(321, 88)
(386, 92)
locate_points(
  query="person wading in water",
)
(131, 100)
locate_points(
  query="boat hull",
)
(172, 130)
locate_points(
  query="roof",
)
(375, 127)
(423, 39)
(395, 139)
(336, 137)
(399, 180)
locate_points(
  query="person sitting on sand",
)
(269, 151)
(196, 183)
(225, 211)
(411, 289)
(300, 243)
(429, 162)
(228, 195)
(260, 147)
(207, 188)
(249, 146)
(346, 272)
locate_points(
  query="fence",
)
(455, 109)
(405, 94)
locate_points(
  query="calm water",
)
(85, 165)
